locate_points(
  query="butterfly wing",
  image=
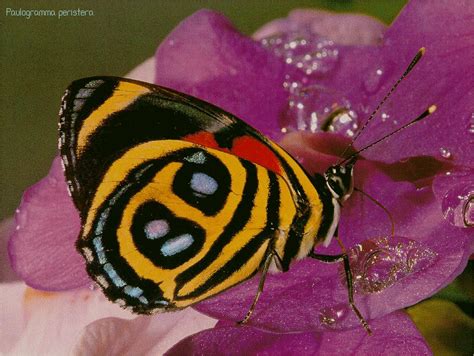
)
(179, 200)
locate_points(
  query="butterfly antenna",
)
(425, 113)
(412, 64)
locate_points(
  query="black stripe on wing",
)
(244, 254)
(239, 220)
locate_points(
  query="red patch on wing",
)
(256, 151)
(203, 138)
(245, 147)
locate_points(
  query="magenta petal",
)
(207, 58)
(234, 340)
(443, 77)
(42, 248)
(394, 334)
(358, 77)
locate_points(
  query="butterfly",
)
(180, 200)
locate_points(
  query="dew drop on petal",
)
(312, 54)
(379, 263)
(471, 124)
(344, 122)
(374, 80)
(330, 317)
(458, 206)
(445, 153)
(314, 109)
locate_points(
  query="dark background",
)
(40, 56)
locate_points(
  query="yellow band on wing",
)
(123, 95)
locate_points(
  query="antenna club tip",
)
(422, 50)
(432, 109)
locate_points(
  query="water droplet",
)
(343, 121)
(384, 116)
(330, 317)
(306, 51)
(373, 81)
(471, 124)
(458, 206)
(445, 153)
(468, 212)
(313, 108)
(379, 263)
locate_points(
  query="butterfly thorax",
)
(334, 188)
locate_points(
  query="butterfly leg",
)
(347, 269)
(265, 267)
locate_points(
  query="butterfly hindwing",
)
(179, 200)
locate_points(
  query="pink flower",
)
(294, 72)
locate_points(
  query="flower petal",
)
(11, 315)
(357, 77)
(394, 334)
(48, 323)
(235, 340)
(42, 247)
(444, 28)
(344, 29)
(207, 58)
(144, 335)
(144, 71)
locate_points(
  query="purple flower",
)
(290, 78)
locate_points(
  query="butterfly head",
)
(340, 180)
